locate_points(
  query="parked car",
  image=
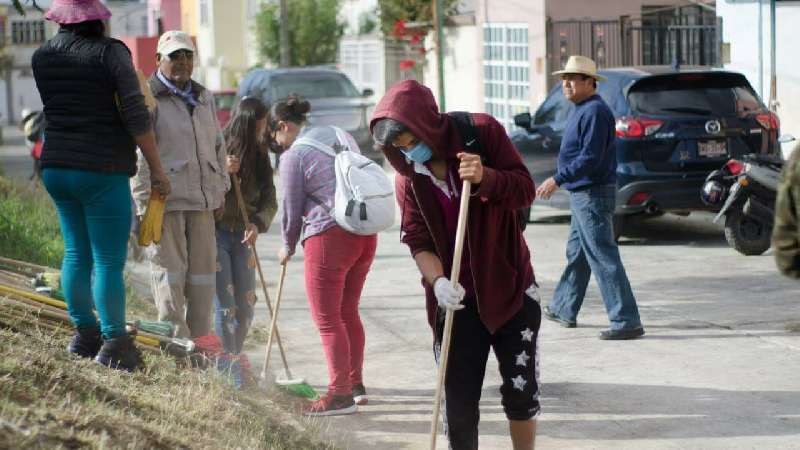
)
(333, 97)
(224, 100)
(673, 128)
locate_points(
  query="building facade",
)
(509, 47)
(750, 53)
(20, 36)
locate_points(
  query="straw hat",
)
(581, 65)
(66, 12)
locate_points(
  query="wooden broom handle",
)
(466, 191)
(240, 201)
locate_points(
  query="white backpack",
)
(364, 199)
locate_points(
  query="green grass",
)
(49, 399)
(29, 224)
(31, 232)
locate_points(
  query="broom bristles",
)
(300, 389)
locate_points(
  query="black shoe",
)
(550, 315)
(360, 394)
(86, 342)
(120, 353)
(619, 335)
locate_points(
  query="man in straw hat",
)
(587, 167)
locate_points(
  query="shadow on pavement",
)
(680, 412)
(673, 230)
(616, 412)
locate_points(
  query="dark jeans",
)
(236, 295)
(591, 248)
(516, 347)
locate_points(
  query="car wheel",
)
(747, 235)
(618, 222)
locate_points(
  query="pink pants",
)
(336, 266)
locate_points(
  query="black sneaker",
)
(620, 335)
(120, 353)
(550, 315)
(360, 394)
(86, 342)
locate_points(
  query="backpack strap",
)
(469, 134)
(311, 142)
(467, 130)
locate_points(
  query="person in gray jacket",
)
(190, 142)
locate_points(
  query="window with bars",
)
(506, 71)
(27, 32)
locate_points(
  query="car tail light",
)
(734, 167)
(629, 127)
(768, 120)
(638, 198)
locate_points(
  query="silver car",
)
(333, 97)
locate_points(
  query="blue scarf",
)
(185, 94)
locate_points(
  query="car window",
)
(611, 92)
(694, 94)
(555, 109)
(313, 85)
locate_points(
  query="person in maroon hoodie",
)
(497, 303)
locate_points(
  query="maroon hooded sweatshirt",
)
(498, 255)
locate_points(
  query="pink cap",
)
(67, 12)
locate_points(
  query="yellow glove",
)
(150, 229)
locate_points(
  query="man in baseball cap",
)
(191, 147)
(175, 57)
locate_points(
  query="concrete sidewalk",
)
(717, 369)
(15, 157)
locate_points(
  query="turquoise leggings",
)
(95, 213)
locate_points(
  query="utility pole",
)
(761, 48)
(438, 21)
(284, 35)
(773, 79)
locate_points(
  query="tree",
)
(405, 11)
(21, 9)
(314, 31)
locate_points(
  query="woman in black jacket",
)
(96, 117)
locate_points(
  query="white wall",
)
(462, 69)
(740, 29)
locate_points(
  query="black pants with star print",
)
(515, 346)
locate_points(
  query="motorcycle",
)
(746, 190)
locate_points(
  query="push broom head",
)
(297, 387)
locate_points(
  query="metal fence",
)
(626, 42)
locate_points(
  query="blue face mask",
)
(420, 153)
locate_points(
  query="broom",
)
(448, 321)
(295, 386)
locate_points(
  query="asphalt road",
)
(717, 369)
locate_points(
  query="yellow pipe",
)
(33, 296)
(145, 340)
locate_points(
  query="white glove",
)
(447, 296)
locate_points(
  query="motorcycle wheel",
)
(747, 235)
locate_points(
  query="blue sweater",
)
(587, 156)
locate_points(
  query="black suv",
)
(673, 128)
